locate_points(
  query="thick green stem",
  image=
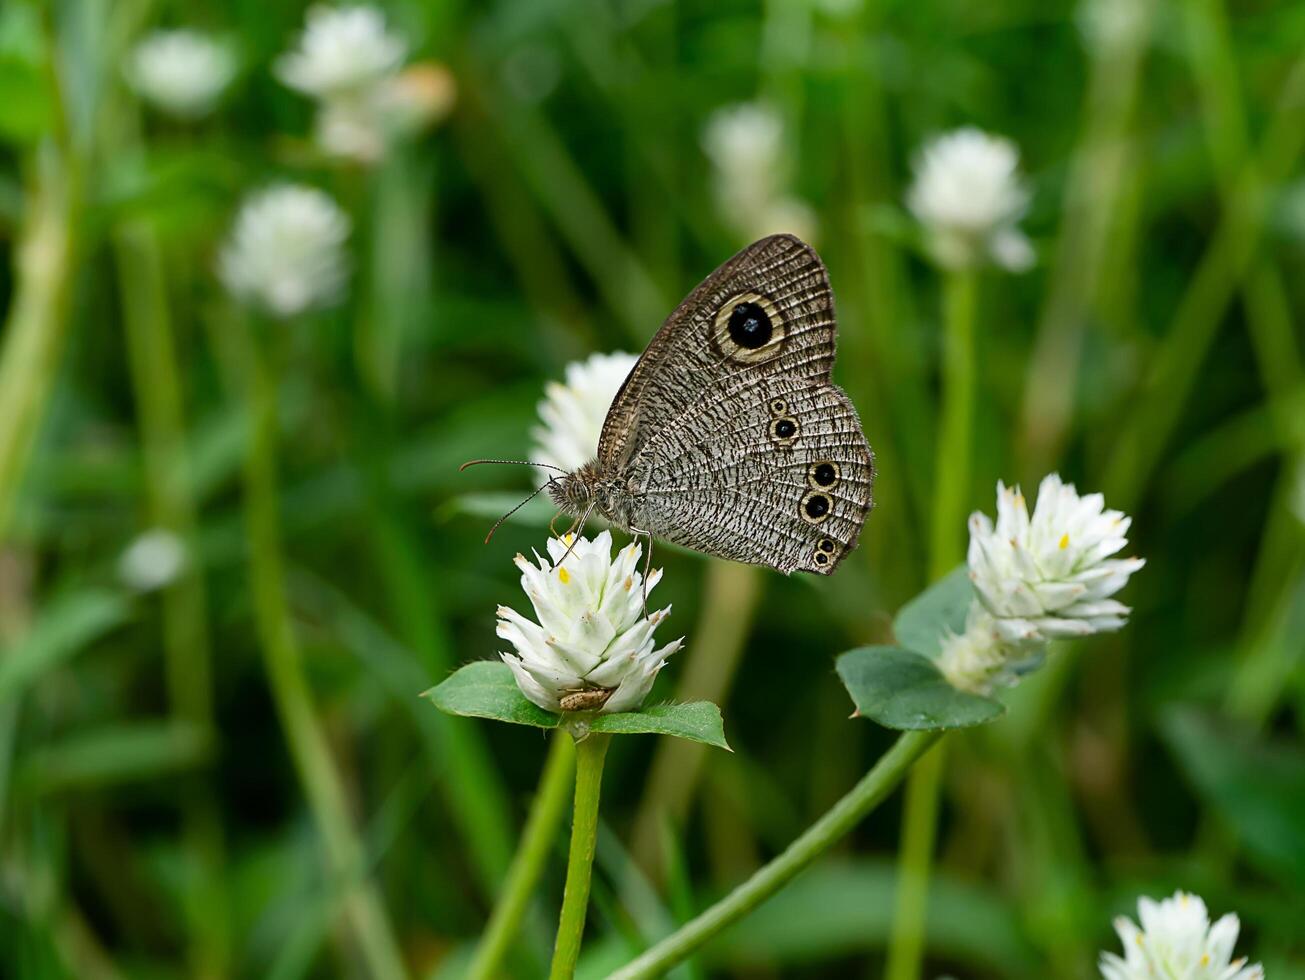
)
(528, 864)
(289, 685)
(951, 483)
(873, 788)
(591, 750)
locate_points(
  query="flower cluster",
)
(745, 143)
(152, 561)
(968, 196)
(286, 252)
(180, 72)
(1038, 578)
(1176, 940)
(352, 64)
(592, 646)
(572, 412)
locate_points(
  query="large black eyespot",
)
(750, 326)
(816, 507)
(784, 430)
(821, 558)
(823, 474)
(826, 545)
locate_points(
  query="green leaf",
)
(1255, 784)
(114, 754)
(698, 721)
(904, 690)
(921, 623)
(486, 689)
(63, 627)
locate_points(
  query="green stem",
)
(952, 467)
(157, 389)
(591, 750)
(289, 685)
(528, 864)
(951, 483)
(873, 788)
(919, 830)
(38, 319)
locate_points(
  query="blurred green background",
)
(152, 819)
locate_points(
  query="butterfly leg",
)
(647, 563)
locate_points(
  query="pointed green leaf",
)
(904, 690)
(698, 721)
(63, 628)
(486, 689)
(921, 623)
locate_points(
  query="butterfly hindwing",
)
(774, 471)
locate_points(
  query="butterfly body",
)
(728, 436)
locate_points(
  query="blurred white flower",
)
(154, 560)
(181, 72)
(1046, 577)
(360, 126)
(745, 143)
(342, 50)
(286, 252)
(592, 647)
(573, 412)
(969, 197)
(1177, 942)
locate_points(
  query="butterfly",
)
(727, 436)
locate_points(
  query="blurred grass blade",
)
(113, 754)
(62, 629)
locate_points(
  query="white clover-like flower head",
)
(182, 72)
(1051, 576)
(286, 252)
(572, 412)
(153, 560)
(360, 126)
(590, 646)
(342, 50)
(969, 197)
(744, 138)
(1041, 578)
(1177, 942)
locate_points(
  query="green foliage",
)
(485, 689)
(902, 689)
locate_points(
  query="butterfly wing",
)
(772, 471)
(728, 432)
(767, 311)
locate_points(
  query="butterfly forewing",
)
(768, 311)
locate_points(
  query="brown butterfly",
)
(728, 436)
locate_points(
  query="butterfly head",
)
(574, 493)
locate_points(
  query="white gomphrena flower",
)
(1176, 941)
(1040, 578)
(181, 72)
(745, 143)
(153, 560)
(969, 197)
(342, 50)
(572, 412)
(592, 646)
(286, 252)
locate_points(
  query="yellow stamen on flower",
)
(1205, 959)
(563, 576)
(629, 582)
(1064, 541)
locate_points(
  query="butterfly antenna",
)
(499, 523)
(510, 462)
